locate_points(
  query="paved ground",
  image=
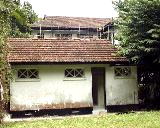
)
(9, 119)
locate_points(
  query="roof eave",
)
(78, 62)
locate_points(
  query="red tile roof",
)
(72, 22)
(51, 50)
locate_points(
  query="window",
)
(27, 74)
(122, 71)
(57, 35)
(66, 36)
(63, 36)
(74, 73)
(90, 36)
(82, 36)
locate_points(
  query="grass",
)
(131, 120)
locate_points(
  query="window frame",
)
(74, 78)
(63, 36)
(28, 77)
(83, 36)
(66, 36)
(123, 76)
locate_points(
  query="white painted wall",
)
(53, 88)
(49, 34)
(121, 91)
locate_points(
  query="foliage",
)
(17, 17)
(22, 16)
(149, 90)
(138, 27)
(15, 20)
(4, 31)
(131, 120)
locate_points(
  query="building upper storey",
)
(61, 27)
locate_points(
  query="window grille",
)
(28, 74)
(63, 36)
(66, 36)
(122, 71)
(57, 35)
(76, 73)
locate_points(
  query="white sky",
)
(77, 8)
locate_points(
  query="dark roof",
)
(51, 50)
(71, 22)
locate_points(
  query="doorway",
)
(98, 87)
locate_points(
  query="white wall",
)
(47, 34)
(121, 91)
(52, 90)
(50, 34)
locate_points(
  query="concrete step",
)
(98, 111)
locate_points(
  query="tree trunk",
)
(1, 102)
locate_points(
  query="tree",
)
(5, 9)
(15, 20)
(22, 16)
(138, 27)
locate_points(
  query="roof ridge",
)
(77, 17)
(72, 22)
(36, 39)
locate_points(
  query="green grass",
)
(131, 120)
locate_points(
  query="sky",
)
(75, 8)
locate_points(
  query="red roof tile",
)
(50, 50)
(72, 22)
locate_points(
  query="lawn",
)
(131, 120)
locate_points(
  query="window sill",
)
(27, 80)
(74, 79)
(121, 77)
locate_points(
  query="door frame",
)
(103, 69)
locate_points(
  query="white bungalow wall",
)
(121, 91)
(53, 91)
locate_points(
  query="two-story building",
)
(61, 27)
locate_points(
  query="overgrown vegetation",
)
(138, 27)
(15, 20)
(149, 86)
(4, 32)
(131, 120)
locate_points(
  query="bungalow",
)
(58, 74)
